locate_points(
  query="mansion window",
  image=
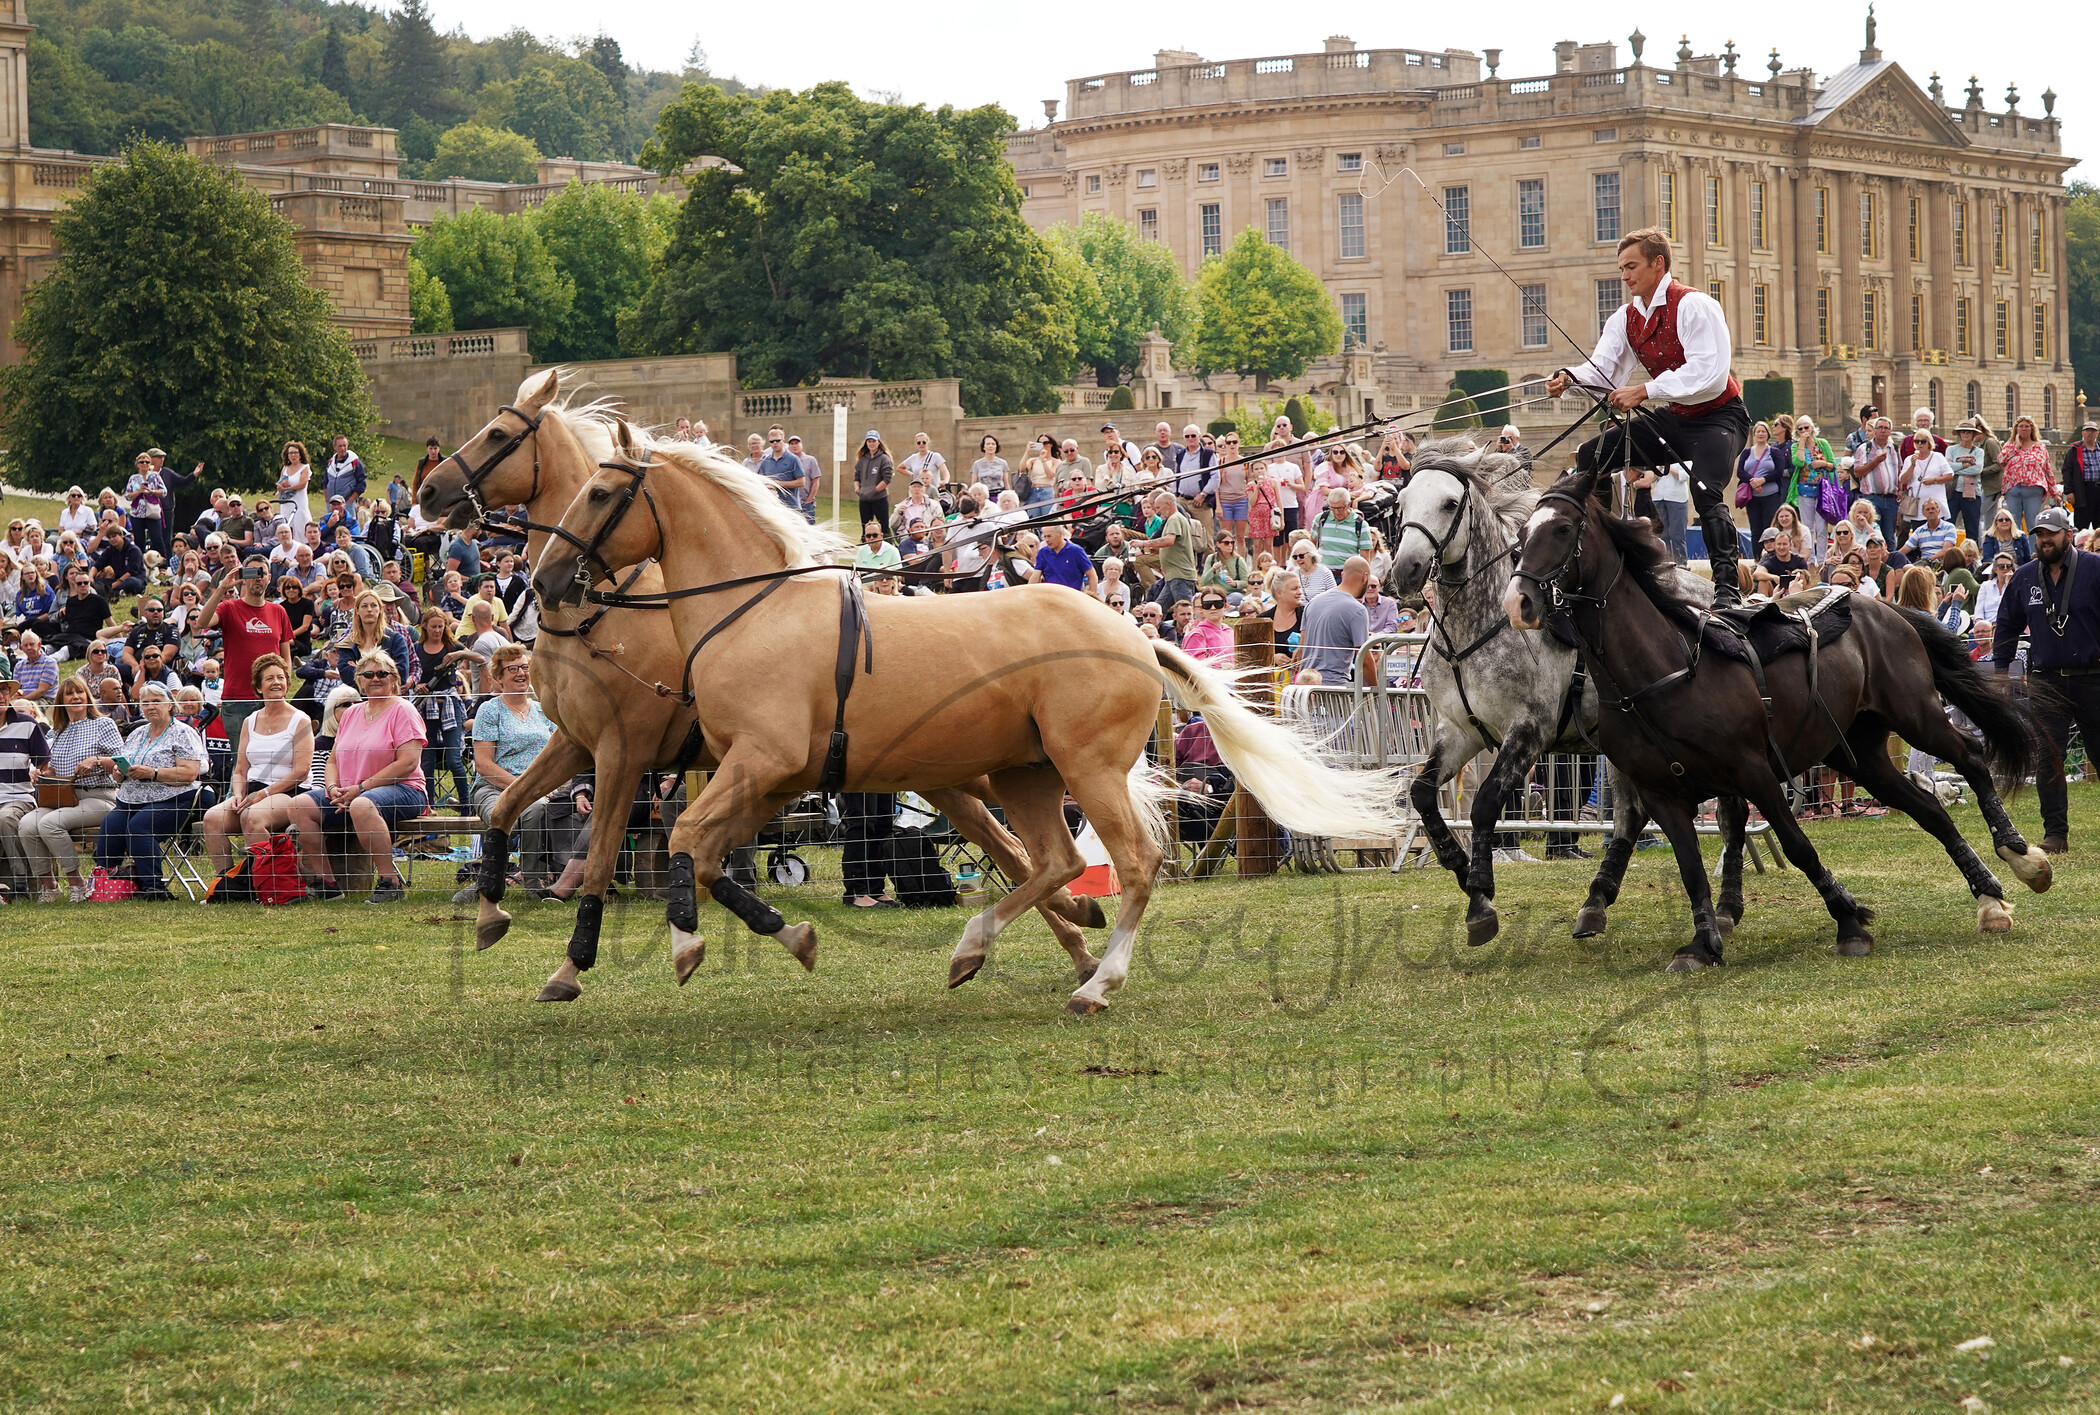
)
(1352, 226)
(1666, 203)
(1961, 233)
(1206, 171)
(1148, 224)
(1458, 321)
(1760, 314)
(1356, 321)
(1458, 221)
(1093, 184)
(1531, 214)
(1713, 211)
(1760, 227)
(1349, 162)
(1604, 200)
(1279, 224)
(1610, 295)
(1533, 319)
(1211, 218)
(1275, 167)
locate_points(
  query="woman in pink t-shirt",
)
(373, 781)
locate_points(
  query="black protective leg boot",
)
(1721, 551)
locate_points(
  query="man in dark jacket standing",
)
(2054, 599)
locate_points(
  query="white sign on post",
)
(838, 458)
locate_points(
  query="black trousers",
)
(875, 508)
(2063, 701)
(867, 820)
(1708, 445)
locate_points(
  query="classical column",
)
(1901, 195)
(1691, 218)
(1805, 275)
(1782, 216)
(1939, 256)
(1741, 281)
(2060, 336)
(1844, 234)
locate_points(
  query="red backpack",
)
(267, 872)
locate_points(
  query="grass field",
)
(1318, 1156)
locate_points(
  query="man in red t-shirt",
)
(251, 628)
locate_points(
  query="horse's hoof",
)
(2032, 869)
(1856, 947)
(686, 957)
(1993, 916)
(559, 992)
(1483, 927)
(1083, 1006)
(1086, 912)
(1690, 962)
(961, 970)
(1590, 921)
(1725, 924)
(801, 941)
(489, 932)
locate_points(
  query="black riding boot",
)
(1721, 548)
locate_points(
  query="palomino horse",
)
(537, 454)
(1460, 518)
(1688, 722)
(1043, 689)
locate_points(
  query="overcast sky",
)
(969, 52)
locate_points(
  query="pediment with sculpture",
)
(1893, 107)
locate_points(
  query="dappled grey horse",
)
(1461, 517)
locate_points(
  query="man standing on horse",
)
(1678, 337)
(2055, 600)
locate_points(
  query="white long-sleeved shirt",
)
(1701, 328)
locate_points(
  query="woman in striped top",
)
(82, 734)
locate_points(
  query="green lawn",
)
(1318, 1156)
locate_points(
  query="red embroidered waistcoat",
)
(1656, 345)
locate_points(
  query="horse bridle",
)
(637, 485)
(476, 475)
(1548, 581)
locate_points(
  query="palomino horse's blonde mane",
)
(800, 542)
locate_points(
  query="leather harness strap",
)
(853, 630)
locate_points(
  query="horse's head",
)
(497, 466)
(597, 533)
(1429, 528)
(1550, 565)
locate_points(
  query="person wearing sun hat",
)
(873, 471)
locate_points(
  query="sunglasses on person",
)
(379, 676)
(1303, 555)
(1213, 604)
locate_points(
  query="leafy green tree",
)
(603, 54)
(484, 154)
(607, 244)
(175, 312)
(1263, 314)
(2082, 278)
(69, 102)
(429, 305)
(233, 92)
(567, 109)
(417, 72)
(335, 62)
(1132, 287)
(856, 238)
(497, 272)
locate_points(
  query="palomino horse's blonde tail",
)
(1152, 795)
(1277, 765)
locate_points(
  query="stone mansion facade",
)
(1870, 238)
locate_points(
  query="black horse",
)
(1689, 714)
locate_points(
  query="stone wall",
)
(657, 392)
(443, 385)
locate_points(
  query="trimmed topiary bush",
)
(1767, 398)
(1121, 399)
(1457, 412)
(1218, 427)
(1294, 409)
(1478, 384)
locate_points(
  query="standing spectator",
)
(298, 613)
(434, 675)
(1112, 438)
(433, 457)
(399, 494)
(1763, 468)
(145, 501)
(872, 471)
(778, 465)
(372, 782)
(1341, 531)
(1337, 624)
(1230, 489)
(1383, 613)
(344, 474)
(1512, 442)
(1059, 561)
(1877, 467)
(1393, 461)
(165, 757)
(24, 750)
(1812, 464)
(2081, 476)
(1921, 431)
(1071, 464)
(293, 479)
(990, 469)
(2028, 476)
(1927, 471)
(1175, 544)
(79, 734)
(2054, 600)
(925, 466)
(1966, 460)
(812, 476)
(273, 754)
(1673, 506)
(1196, 485)
(868, 820)
(249, 626)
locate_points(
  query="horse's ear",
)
(538, 391)
(626, 440)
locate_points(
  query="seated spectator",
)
(369, 628)
(373, 780)
(345, 544)
(35, 596)
(78, 620)
(1228, 570)
(1991, 591)
(163, 759)
(151, 630)
(209, 683)
(24, 750)
(1207, 638)
(1286, 591)
(79, 732)
(119, 567)
(35, 671)
(2003, 539)
(153, 670)
(270, 766)
(436, 661)
(1933, 535)
(1314, 579)
(874, 552)
(510, 730)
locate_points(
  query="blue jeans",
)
(1968, 512)
(2025, 503)
(1675, 516)
(395, 801)
(139, 832)
(1885, 511)
(446, 746)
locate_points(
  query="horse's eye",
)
(599, 496)
(1450, 505)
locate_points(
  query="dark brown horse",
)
(1687, 723)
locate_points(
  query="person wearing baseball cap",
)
(872, 472)
(812, 477)
(2054, 599)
